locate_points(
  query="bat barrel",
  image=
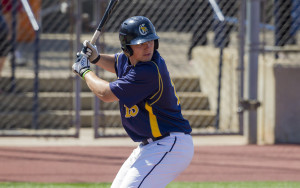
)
(106, 15)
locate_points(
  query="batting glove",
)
(82, 65)
(91, 51)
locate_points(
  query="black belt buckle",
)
(145, 141)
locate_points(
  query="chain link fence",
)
(36, 84)
(201, 51)
(278, 65)
(280, 22)
(183, 27)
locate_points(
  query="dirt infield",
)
(100, 164)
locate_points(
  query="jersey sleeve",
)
(140, 82)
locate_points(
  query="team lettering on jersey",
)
(131, 112)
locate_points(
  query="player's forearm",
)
(100, 87)
(107, 62)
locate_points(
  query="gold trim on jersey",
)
(153, 121)
(160, 86)
(176, 95)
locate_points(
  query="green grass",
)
(172, 185)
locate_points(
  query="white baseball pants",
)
(157, 163)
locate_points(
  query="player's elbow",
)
(105, 99)
(107, 96)
(100, 88)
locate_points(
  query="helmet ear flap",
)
(127, 51)
(156, 44)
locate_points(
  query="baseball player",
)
(149, 106)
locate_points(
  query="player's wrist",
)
(96, 59)
(84, 72)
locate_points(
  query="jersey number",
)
(131, 112)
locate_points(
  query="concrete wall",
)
(278, 92)
(287, 97)
(266, 95)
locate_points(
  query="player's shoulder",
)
(146, 69)
(120, 59)
(120, 56)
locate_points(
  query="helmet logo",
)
(143, 29)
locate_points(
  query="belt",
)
(149, 140)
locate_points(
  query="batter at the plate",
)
(150, 108)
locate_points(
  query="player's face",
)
(143, 52)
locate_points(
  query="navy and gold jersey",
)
(148, 101)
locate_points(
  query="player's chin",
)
(147, 57)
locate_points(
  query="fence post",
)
(96, 100)
(36, 28)
(13, 44)
(35, 124)
(253, 20)
(241, 67)
(217, 127)
(77, 83)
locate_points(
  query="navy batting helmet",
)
(136, 30)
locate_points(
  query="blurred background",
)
(235, 65)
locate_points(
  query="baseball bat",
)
(107, 13)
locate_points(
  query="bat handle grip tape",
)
(95, 37)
